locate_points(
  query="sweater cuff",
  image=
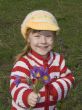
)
(25, 96)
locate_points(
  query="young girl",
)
(39, 30)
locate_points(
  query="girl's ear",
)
(28, 40)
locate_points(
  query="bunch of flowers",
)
(40, 76)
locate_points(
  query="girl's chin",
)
(42, 53)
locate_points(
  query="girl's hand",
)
(32, 99)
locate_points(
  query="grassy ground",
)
(68, 13)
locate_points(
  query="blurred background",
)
(69, 42)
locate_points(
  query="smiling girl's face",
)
(41, 41)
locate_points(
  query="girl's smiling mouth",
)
(43, 47)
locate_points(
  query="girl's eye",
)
(49, 36)
(36, 36)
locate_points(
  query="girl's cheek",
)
(51, 41)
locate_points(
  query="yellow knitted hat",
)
(39, 20)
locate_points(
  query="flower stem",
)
(30, 108)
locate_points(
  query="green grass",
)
(69, 42)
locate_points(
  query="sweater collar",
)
(40, 59)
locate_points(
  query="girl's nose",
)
(43, 39)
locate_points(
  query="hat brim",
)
(43, 26)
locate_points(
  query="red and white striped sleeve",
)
(60, 87)
(20, 93)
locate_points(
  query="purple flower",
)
(41, 73)
(17, 80)
(45, 75)
(36, 72)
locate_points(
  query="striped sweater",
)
(61, 81)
